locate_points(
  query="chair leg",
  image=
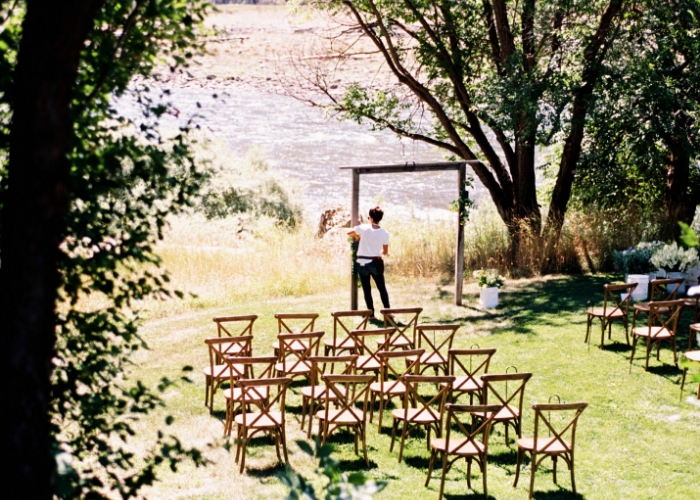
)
(588, 328)
(442, 477)
(675, 354)
(393, 434)
(430, 467)
(634, 348)
(685, 370)
(403, 439)
(533, 468)
(483, 475)
(521, 452)
(554, 468)
(602, 332)
(649, 347)
(244, 445)
(469, 472)
(571, 468)
(364, 443)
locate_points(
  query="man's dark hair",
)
(376, 213)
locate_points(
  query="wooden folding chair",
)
(467, 366)
(391, 377)
(343, 323)
(662, 327)
(218, 372)
(346, 391)
(437, 341)
(295, 349)
(471, 444)
(233, 326)
(247, 368)
(559, 441)
(313, 395)
(497, 391)
(270, 419)
(661, 291)
(368, 343)
(613, 308)
(428, 410)
(404, 321)
(294, 323)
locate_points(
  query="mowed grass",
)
(638, 439)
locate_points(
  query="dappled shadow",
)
(617, 347)
(266, 472)
(561, 494)
(508, 458)
(419, 462)
(469, 496)
(666, 371)
(356, 464)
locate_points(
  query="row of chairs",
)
(663, 314)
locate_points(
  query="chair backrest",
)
(473, 363)
(346, 321)
(369, 343)
(436, 339)
(612, 303)
(404, 320)
(456, 416)
(295, 322)
(233, 326)
(664, 314)
(666, 289)
(345, 392)
(562, 431)
(220, 347)
(295, 349)
(496, 388)
(319, 363)
(392, 375)
(260, 392)
(250, 367)
(433, 406)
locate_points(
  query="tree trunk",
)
(33, 223)
(678, 205)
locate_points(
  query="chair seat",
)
(610, 313)
(294, 367)
(346, 343)
(388, 387)
(319, 392)
(256, 421)
(367, 363)
(692, 356)
(430, 359)
(644, 307)
(417, 415)
(544, 445)
(506, 413)
(463, 383)
(397, 342)
(458, 446)
(656, 332)
(695, 327)
(252, 394)
(223, 372)
(341, 417)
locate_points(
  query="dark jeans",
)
(375, 269)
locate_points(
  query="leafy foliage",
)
(340, 486)
(126, 177)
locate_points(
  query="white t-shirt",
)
(372, 241)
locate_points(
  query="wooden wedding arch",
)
(459, 166)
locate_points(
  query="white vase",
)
(675, 275)
(652, 276)
(489, 297)
(642, 290)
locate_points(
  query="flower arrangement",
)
(489, 278)
(673, 258)
(636, 260)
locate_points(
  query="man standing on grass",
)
(374, 243)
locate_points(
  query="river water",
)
(301, 144)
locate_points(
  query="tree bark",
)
(33, 223)
(678, 203)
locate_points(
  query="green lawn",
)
(637, 439)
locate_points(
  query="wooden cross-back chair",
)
(218, 371)
(614, 308)
(391, 378)
(350, 394)
(660, 291)
(270, 418)
(314, 395)
(234, 326)
(246, 367)
(471, 444)
(662, 326)
(506, 390)
(404, 320)
(467, 366)
(295, 349)
(427, 411)
(294, 323)
(343, 323)
(555, 439)
(368, 343)
(437, 341)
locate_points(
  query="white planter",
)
(489, 297)
(642, 290)
(674, 275)
(652, 276)
(661, 274)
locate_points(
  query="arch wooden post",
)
(459, 166)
